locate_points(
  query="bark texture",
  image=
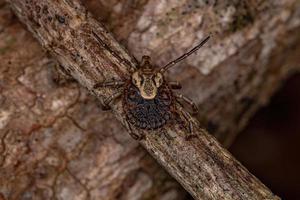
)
(89, 53)
(56, 143)
(228, 75)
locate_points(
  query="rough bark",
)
(200, 164)
(211, 96)
(56, 143)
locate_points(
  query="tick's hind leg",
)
(188, 101)
(190, 123)
(131, 133)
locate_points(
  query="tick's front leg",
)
(113, 83)
(175, 85)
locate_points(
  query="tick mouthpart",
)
(145, 64)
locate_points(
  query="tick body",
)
(148, 99)
(148, 113)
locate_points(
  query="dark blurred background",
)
(269, 146)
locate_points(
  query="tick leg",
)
(109, 84)
(114, 96)
(188, 101)
(174, 85)
(131, 133)
(108, 100)
(190, 121)
(61, 76)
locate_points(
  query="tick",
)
(148, 99)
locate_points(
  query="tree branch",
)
(53, 137)
(67, 30)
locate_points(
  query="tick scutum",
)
(147, 113)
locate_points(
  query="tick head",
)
(146, 79)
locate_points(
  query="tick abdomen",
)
(147, 113)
